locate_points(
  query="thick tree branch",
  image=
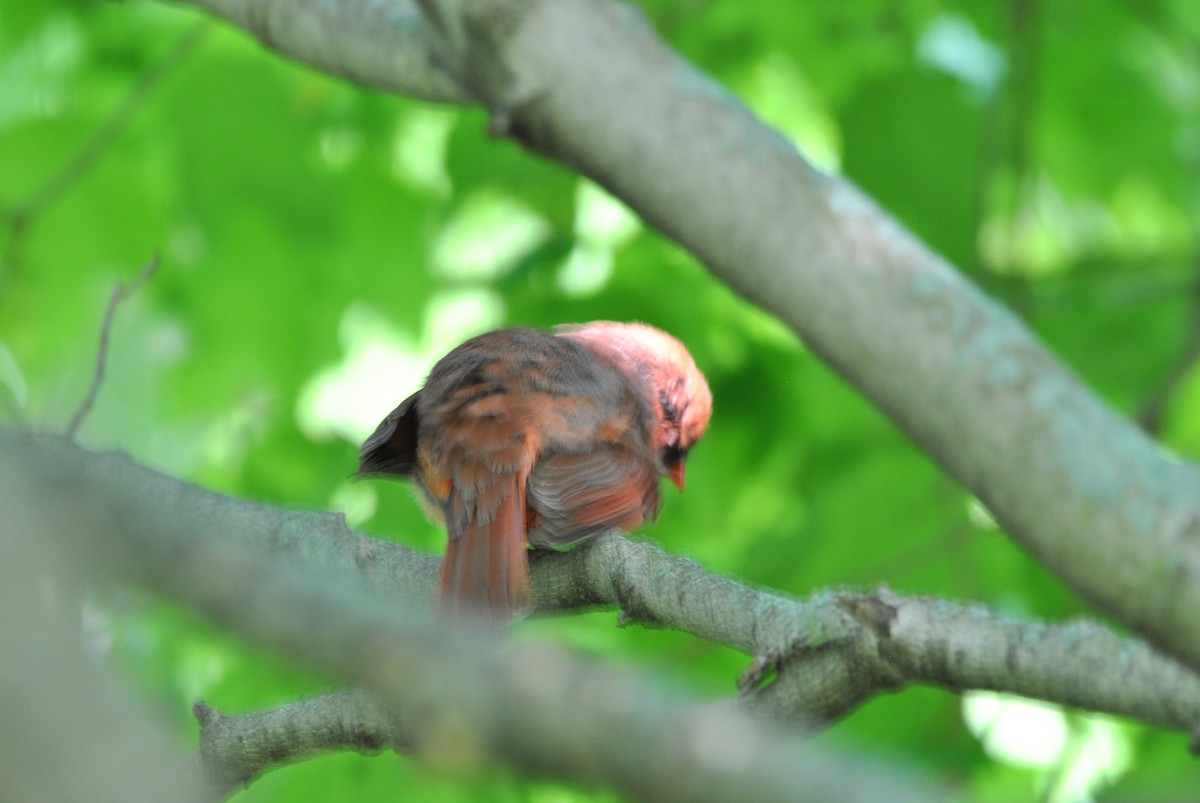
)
(835, 650)
(585, 82)
(466, 697)
(67, 732)
(832, 651)
(386, 44)
(915, 641)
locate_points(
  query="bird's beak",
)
(675, 473)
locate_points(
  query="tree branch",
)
(384, 44)
(465, 696)
(916, 640)
(234, 751)
(580, 80)
(69, 732)
(832, 651)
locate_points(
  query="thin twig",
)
(119, 294)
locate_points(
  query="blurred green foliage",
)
(321, 244)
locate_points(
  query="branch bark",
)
(234, 751)
(465, 697)
(385, 44)
(68, 732)
(585, 82)
(830, 652)
(915, 641)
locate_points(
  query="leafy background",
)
(322, 244)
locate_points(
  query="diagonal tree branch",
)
(919, 641)
(585, 82)
(830, 652)
(467, 697)
(54, 700)
(386, 44)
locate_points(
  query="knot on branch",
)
(205, 715)
(872, 611)
(762, 670)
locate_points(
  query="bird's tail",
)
(486, 570)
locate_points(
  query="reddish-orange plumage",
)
(520, 436)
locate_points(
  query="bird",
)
(522, 437)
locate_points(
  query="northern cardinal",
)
(524, 437)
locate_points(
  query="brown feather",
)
(582, 494)
(485, 570)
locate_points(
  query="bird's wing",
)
(576, 495)
(392, 447)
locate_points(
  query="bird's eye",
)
(669, 411)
